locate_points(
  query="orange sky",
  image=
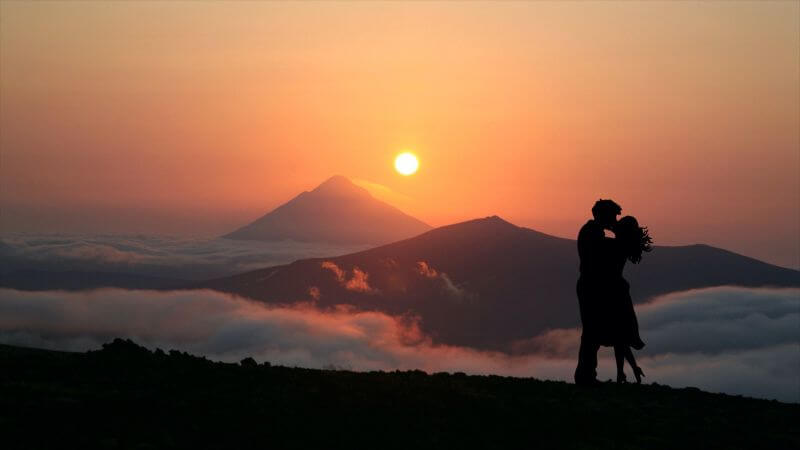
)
(196, 117)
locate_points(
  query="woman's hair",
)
(634, 239)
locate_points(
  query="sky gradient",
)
(194, 118)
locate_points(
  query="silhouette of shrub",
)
(125, 346)
(248, 362)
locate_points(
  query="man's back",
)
(591, 240)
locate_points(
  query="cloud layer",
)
(733, 340)
(186, 258)
(726, 339)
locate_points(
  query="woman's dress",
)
(619, 325)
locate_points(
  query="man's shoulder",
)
(591, 228)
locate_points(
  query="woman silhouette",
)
(630, 241)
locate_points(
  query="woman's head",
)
(634, 239)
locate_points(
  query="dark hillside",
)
(125, 396)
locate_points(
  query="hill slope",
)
(337, 211)
(487, 283)
(125, 396)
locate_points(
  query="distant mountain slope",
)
(487, 283)
(41, 280)
(125, 396)
(337, 211)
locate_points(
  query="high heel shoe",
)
(638, 373)
(621, 378)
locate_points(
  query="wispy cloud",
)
(337, 272)
(358, 282)
(427, 271)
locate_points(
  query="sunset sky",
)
(194, 118)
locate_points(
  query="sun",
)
(406, 163)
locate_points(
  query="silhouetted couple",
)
(604, 295)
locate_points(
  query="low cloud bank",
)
(708, 321)
(227, 328)
(722, 339)
(733, 340)
(186, 258)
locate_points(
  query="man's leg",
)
(586, 372)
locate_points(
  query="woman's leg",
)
(637, 371)
(619, 355)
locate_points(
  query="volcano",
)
(336, 211)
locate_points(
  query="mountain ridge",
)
(487, 283)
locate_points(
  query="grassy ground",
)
(125, 396)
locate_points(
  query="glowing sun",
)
(406, 163)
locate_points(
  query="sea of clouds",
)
(726, 339)
(152, 255)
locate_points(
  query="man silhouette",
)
(594, 250)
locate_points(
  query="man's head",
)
(605, 212)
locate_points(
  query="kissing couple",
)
(604, 297)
